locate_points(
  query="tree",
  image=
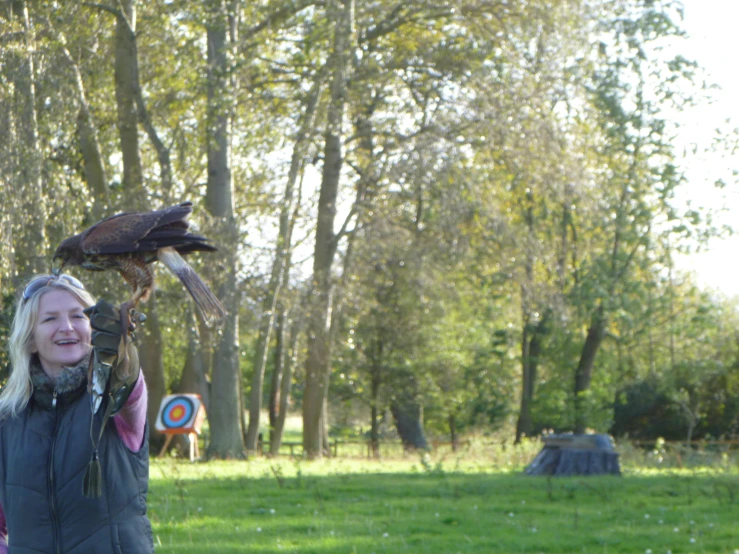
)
(281, 263)
(126, 88)
(318, 363)
(225, 421)
(23, 134)
(637, 176)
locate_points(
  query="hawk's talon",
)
(126, 309)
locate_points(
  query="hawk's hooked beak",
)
(56, 265)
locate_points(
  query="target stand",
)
(181, 414)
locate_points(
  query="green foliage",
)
(6, 320)
(650, 409)
(643, 412)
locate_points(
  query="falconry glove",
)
(115, 359)
(114, 370)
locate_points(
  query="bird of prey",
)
(130, 242)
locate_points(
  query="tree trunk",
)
(226, 439)
(409, 423)
(150, 353)
(260, 362)
(531, 350)
(194, 378)
(87, 134)
(134, 194)
(584, 372)
(219, 192)
(691, 414)
(691, 428)
(132, 108)
(95, 176)
(290, 359)
(284, 360)
(125, 87)
(319, 344)
(273, 406)
(453, 431)
(273, 409)
(523, 426)
(564, 243)
(30, 254)
(244, 423)
(325, 442)
(375, 381)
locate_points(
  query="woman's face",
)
(61, 336)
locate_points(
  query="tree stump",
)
(568, 454)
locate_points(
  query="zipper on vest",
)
(52, 496)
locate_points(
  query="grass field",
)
(462, 502)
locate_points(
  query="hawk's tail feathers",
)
(209, 305)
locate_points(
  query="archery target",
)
(177, 412)
(180, 413)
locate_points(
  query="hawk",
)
(130, 242)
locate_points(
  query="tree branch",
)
(103, 7)
(276, 17)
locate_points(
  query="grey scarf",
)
(71, 380)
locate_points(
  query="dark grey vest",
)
(44, 453)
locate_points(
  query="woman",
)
(45, 432)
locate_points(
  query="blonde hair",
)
(17, 391)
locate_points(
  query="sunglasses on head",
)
(40, 282)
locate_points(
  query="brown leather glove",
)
(115, 364)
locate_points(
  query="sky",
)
(713, 42)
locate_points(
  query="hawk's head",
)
(68, 253)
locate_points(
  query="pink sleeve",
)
(130, 422)
(3, 533)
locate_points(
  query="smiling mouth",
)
(66, 342)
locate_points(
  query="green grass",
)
(465, 503)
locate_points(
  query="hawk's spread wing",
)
(142, 232)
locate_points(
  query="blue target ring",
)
(178, 412)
